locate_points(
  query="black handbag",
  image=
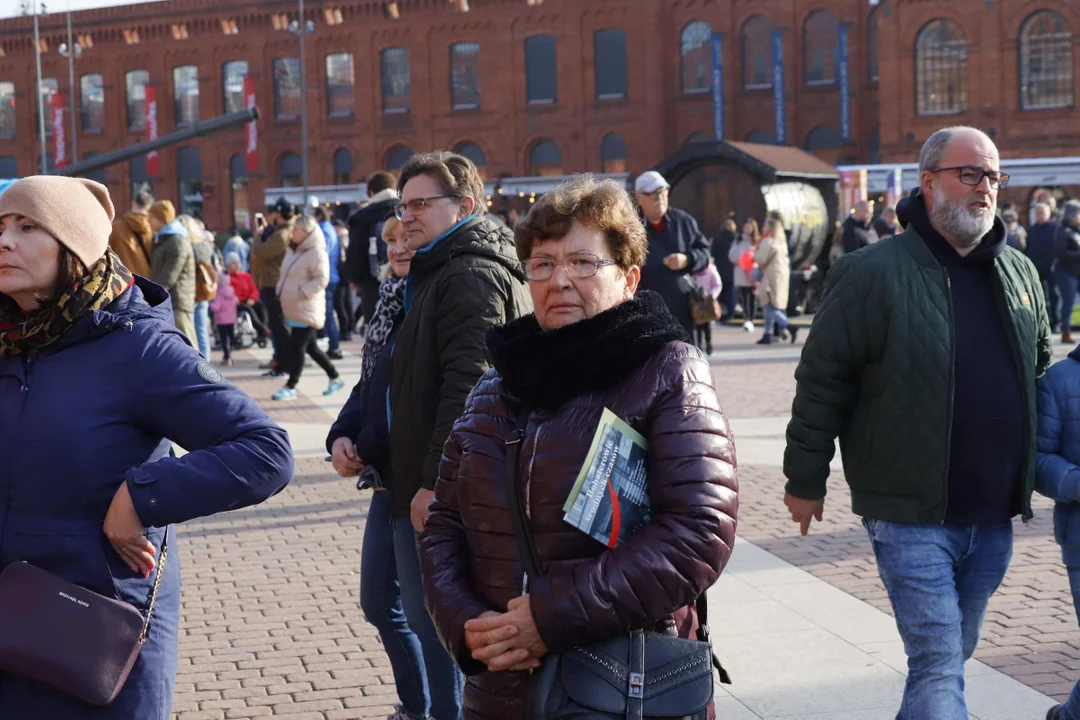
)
(639, 676)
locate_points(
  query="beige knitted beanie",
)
(75, 211)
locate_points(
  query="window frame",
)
(531, 72)
(821, 41)
(684, 52)
(1024, 60)
(179, 89)
(295, 94)
(226, 78)
(129, 91)
(943, 49)
(744, 47)
(86, 106)
(458, 52)
(14, 120)
(330, 89)
(873, 55)
(395, 53)
(598, 37)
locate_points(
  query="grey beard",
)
(959, 222)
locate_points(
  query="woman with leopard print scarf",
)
(95, 385)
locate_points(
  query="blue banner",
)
(845, 90)
(778, 85)
(718, 85)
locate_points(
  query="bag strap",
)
(635, 692)
(530, 559)
(157, 584)
(704, 635)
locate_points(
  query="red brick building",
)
(535, 87)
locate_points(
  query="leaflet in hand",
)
(610, 499)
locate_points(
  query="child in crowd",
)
(224, 308)
(1057, 476)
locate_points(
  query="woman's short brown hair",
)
(597, 204)
(455, 174)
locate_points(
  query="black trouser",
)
(344, 311)
(227, 337)
(1053, 302)
(302, 340)
(703, 332)
(369, 295)
(279, 331)
(748, 298)
(257, 314)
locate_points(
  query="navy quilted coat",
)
(877, 373)
(90, 412)
(1058, 472)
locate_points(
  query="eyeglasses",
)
(973, 176)
(578, 265)
(657, 193)
(419, 205)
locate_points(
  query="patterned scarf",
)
(391, 304)
(27, 334)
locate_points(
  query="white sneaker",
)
(748, 326)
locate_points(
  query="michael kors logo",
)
(75, 600)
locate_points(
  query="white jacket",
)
(305, 274)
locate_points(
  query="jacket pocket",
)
(126, 585)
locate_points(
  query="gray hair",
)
(1070, 212)
(933, 150)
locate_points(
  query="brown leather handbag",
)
(62, 635)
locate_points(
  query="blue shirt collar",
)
(425, 250)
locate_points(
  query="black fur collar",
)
(546, 368)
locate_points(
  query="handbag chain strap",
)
(157, 584)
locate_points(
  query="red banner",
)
(252, 133)
(151, 128)
(59, 139)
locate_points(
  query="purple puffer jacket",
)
(468, 552)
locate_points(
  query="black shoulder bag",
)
(636, 676)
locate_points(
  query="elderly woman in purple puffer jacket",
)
(594, 343)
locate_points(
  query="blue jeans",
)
(445, 683)
(202, 327)
(1067, 286)
(331, 319)
(939, 579)
(774, 315)
(380, 599)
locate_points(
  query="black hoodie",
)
(986, 457)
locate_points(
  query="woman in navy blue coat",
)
(95, 381)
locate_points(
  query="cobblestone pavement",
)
(271, 624)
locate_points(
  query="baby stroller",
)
(246, 334)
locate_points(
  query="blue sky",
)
(13, 8)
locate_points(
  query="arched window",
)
(186, 94)
(1046, 62)
(824, 137)
(474, 153)
(872, 42)
(941, 69)
(238, 181)
(613, 153)
(762, 137)
(342, 167)
(397, 157)
(545, 159)
(135, 82)
(755, 42)
(292, 171)
(696, 57)
(286, 88)
(821, 38)
(234, 73)
(93, 102)
(394, 69)
(189, 172)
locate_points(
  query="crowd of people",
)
(492, 350)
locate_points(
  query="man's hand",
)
(124, 530)
(421, 506)
(804, 511)
(676, 261)
(509, 640)
(345, 460)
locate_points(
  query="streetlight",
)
(72, 51)
(296, 28)
(40, 99)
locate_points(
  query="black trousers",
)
(344, 311)
(748, 298)
(259, 319)
(703, 335)
(227, 337)
(301, 341)
(279, 331)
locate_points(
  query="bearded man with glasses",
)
(923, 360)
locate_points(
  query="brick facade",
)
(654, 118)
